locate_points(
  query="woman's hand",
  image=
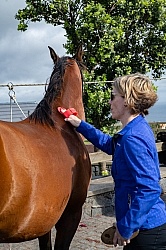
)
(74, 120)
(119, 240)
(71, 116)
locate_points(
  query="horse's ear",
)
(54, 56)
(79, 53)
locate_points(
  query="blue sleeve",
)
(101, 140)
(143, 165)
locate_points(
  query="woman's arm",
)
(101, 140)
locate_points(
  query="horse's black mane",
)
(43, 111)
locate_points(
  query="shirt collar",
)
(131, 124)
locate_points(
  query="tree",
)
(119, 37)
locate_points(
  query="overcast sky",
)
(24, 56)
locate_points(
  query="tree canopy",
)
(119, 37)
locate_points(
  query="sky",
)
(25, 58)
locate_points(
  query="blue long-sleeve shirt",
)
(136, 174)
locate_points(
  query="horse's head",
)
(64, 88)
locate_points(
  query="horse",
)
(45, 168)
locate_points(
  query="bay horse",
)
(45, 169)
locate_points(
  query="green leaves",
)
(96, 98)
(119, 37)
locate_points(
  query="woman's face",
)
(117, 105)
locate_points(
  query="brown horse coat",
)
(44, 166)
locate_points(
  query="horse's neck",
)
(74, 100)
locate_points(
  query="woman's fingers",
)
(74, 120)
(119, 240)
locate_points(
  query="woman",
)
(135, 167)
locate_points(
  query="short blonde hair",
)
(138, 91)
